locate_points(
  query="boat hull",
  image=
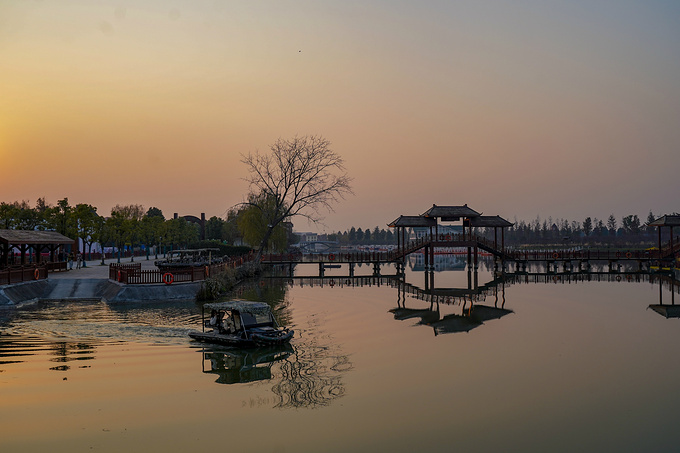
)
(280, 337)
(256, 339)
(218, 338)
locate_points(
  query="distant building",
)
(308, 237)
(419, 232)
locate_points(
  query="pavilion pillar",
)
(672, 249)
(427, 257)
(22, 249)
(432, 258)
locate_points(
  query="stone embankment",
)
(92, 283)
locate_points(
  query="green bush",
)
(215, 286)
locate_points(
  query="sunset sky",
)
(518, 108)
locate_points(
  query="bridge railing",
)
(330, 258)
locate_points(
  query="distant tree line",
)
(629, 230)
(359, 236)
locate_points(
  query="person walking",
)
(79, 260)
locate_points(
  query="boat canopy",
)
(242, 306)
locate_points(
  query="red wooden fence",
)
(132, 273)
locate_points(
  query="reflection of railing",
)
(340, 282)
(586, 255)
(330, 258)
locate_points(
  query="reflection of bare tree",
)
(312, 377)
(67, 352)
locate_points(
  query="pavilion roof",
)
(32, 237)
(489, 221)
(667, 220)
(412, 221)
(451, 213)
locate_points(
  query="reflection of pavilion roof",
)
(668, 311)
(667, 220)
(453, 324)
(489, 221)
(412, 221)
(451, 213)
(426, 316)
(483, 313)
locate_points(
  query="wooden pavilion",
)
(410, 221)
(670, 222)
(452, 214)
(495, 222)
(26, 239)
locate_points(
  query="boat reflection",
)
(242, 365)
(307, 373)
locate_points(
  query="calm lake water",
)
(560, 366)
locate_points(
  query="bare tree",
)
(297, 178)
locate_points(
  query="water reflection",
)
(450, 262)
(312, 376)
(68, 352)
(240, 365)
(18, 349)
(668, 282)
(472, 314)
(308, 373)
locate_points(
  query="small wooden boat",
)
(241, 323)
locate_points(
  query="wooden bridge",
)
(474, 244)
(431, 238)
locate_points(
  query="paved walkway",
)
(92, 282)
(94, 268)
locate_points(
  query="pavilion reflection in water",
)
(473, 313)
(664, 309)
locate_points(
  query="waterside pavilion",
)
(26, 239)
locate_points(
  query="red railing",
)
(132, 273)
(9, 276)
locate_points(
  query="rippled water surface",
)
(529, 363)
